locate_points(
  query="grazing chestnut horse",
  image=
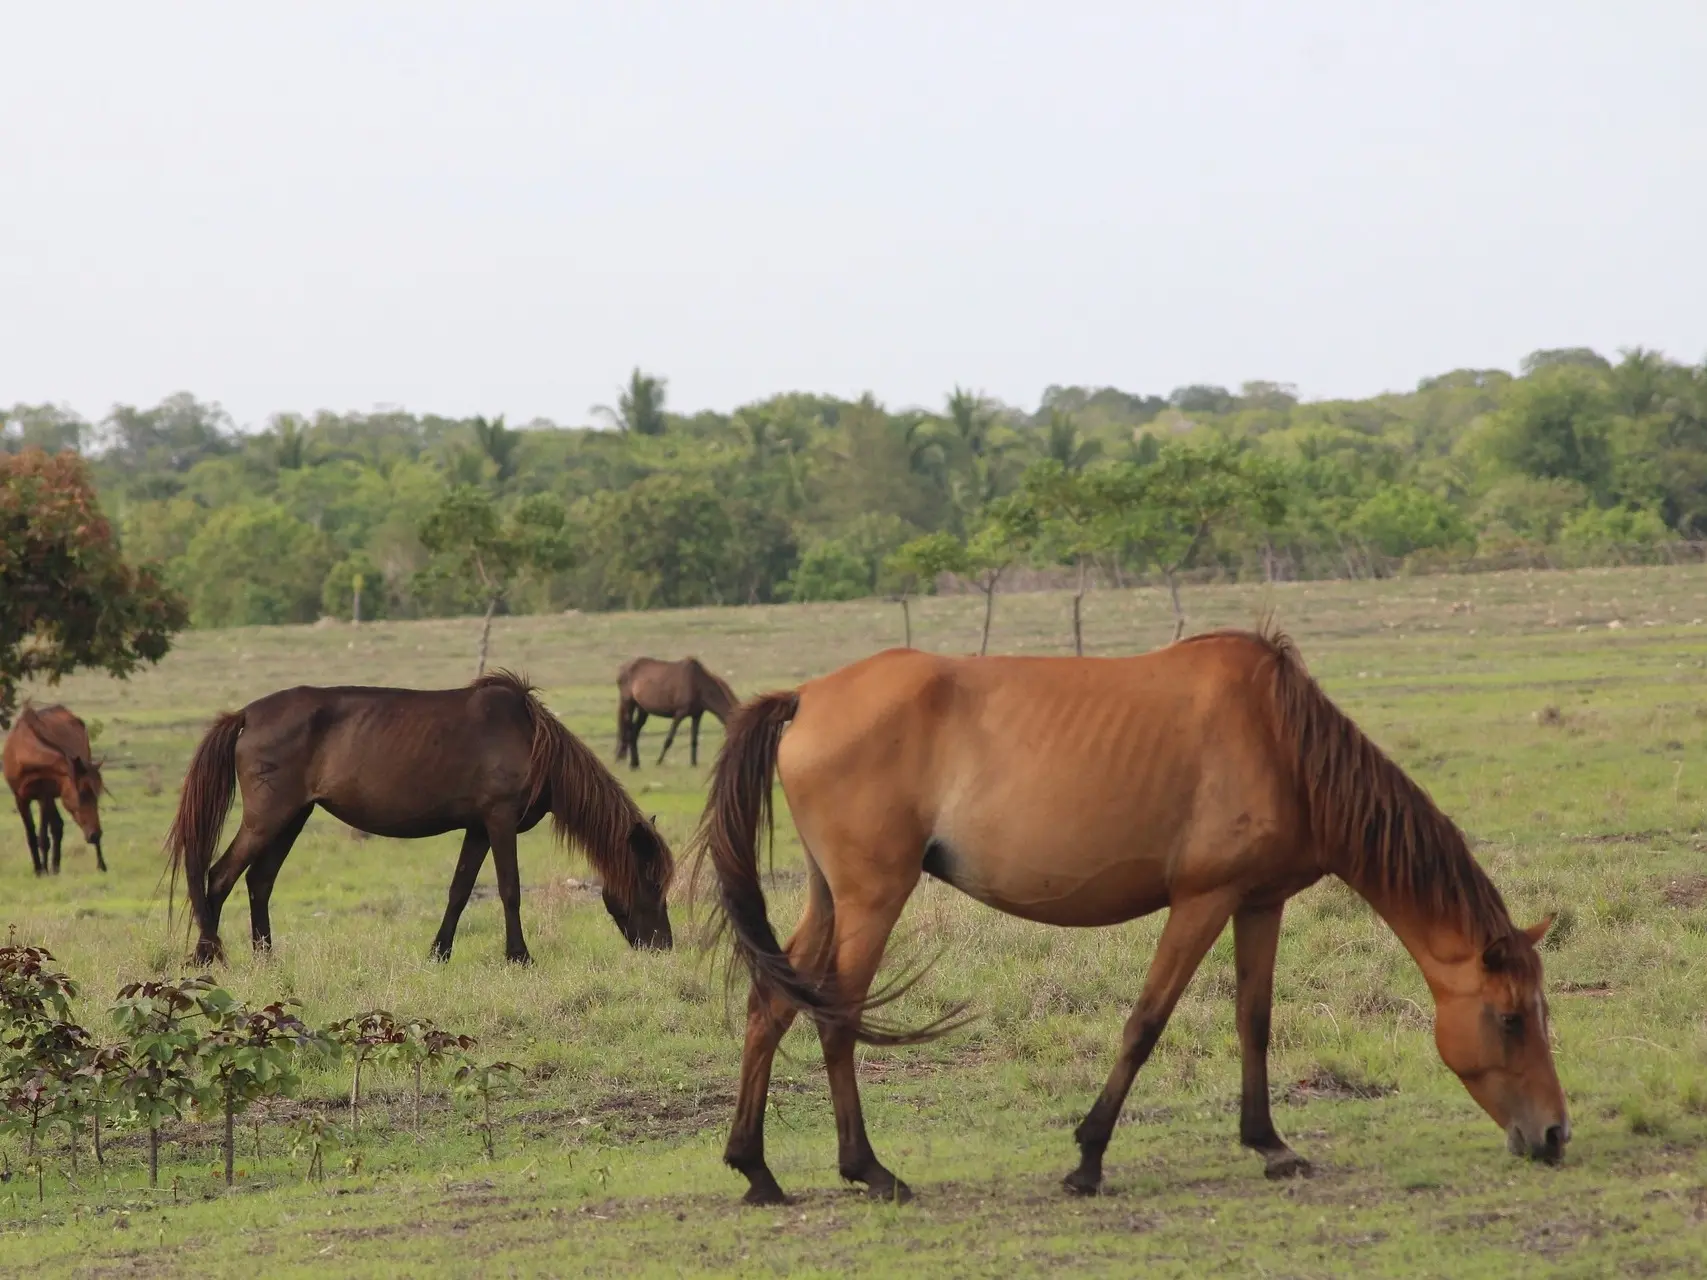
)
(488, 760)
(1212, 777)
(46, 757)
(683, 690)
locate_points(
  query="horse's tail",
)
(624, 714)
(202, 805)
(738, 808)
(590, 808)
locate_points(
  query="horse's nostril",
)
(1556, 1137)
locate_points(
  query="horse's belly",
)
(1070, 889)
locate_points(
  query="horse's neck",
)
(1440, 946)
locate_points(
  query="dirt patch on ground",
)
(1686, 891)
(1626, 837)
(1326, 1084)
(662, 1115)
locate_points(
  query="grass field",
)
(1561, 717)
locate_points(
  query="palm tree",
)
(639, 405)
(1067, 445)
(497, 442)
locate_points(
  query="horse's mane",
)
(56, 734)
(1377, 828)
(589, 807)
(717, 682)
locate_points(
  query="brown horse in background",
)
(488, 760)
(683, 690)
(47, 757)
(1212, 777)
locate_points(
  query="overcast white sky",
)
(491, 207)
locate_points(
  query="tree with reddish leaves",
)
(67, 598)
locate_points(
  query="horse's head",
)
(1491, 1028)
(644, 918)
(80, 789)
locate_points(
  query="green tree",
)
(68, 599)
(916, 566)
(1162, 513)
(484, 552)
(1398, 519)
(255, 564)
(1062, 516)
(661, 542)
(1554, 425)
(498, 443)
(639, 406)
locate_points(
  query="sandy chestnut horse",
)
(488, 760)
(47, 758)
(683, 690)
(1212, 777)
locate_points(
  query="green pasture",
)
(1561, 717)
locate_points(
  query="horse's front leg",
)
(1192, 928)
(670, 737)
(468, 864)
(1256, 935)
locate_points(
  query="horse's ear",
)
(1538, 931)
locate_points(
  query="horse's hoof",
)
(771, 1195)
(896, 1192)
(521, 958)
(1080, 1183)
(439, 955)
(1286, 1164)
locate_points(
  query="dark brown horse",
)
(1212, 777)
(488, 760)
(47, 758)
(683, 690)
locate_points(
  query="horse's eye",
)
(1511, 1023)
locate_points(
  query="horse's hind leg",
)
(693, 739)
(861, 929)
(36, 862)
(637, 725)
(263, 871)
(670, 737)
(768, 1019)
(52, 830)
(468, 864)
(1256, 934)
(1192, 928)
(253, 837)
(624, 718)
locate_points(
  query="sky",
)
(502, 208)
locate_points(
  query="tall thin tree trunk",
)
(355, 1096)
(485, 637)
(95, 1124)
(153, 1156)
(989, 608)
(1078, 599)
(907, 622)
(1173, 594)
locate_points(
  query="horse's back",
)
(394, 761)
(41, 741)
(1063, 789)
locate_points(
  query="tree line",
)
(809, 497)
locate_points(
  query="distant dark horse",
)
(47, 758)
(683, 690)
(488, 760)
